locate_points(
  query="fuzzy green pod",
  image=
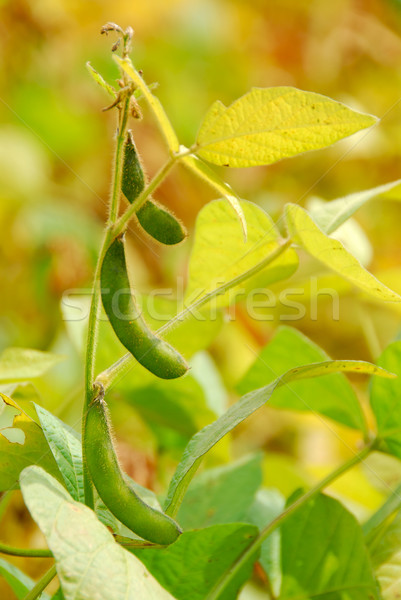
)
(153, 353)
(155, 219)
(108, 479)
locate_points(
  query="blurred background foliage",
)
(56, 147)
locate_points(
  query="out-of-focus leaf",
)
(267, 125)
(192, 566)
(386, 558)
(385, 400)
(332, 397)
(204, 370)
(33, 450)
(323, 554)
(21, 364)
(205, 439)
(221, 495)
(330, 215)
(220, 255)
(20, 583)
(268, 504)
(332, 253)
(90, 564)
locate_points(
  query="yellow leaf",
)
(332, 253)
(269, 124)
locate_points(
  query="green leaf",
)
(269, 124)
(20, 583)
(332, 253)
(21, 364)
(191, 566)
(323, 555)
(373, 527)
(66, 448)
(33, 450)
(178, 405)
(220, 255)
(332, 397)
(221, 495)
(90, 564)
(330, 215)
(385, 400)
(205, 439)
(154, 103)
(203, 171)
(100, 81)
(7, 416)
(386, 558)
(268, 504)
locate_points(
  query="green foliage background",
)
(55, 152)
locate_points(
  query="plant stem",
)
(93, 325)
(11, 551)
(160, 176)
(252, 550)
(41, 584)
(108, 377)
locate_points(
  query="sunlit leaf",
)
(267, 125)
(154, 103)
(332, 253)
(220, 255)
(90, 565)
(21, 364)
(386, 558)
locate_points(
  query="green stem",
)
(252, 550)
(108, 377)
(11, 551)
(160, 176)
(93, 325)
(42, 584)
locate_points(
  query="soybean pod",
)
(108, 479)
(155, 219)
(153, 353)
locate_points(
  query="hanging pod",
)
(153, 353)
(109, 481)
(155, 219)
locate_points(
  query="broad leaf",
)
(17, 455)
(20, 583)
(191, 566)
(205, 439)
(385, 400)
(373, 527)
(332, 253)
(221, 495)
(202, 170)
(220, 255)
(154, 103)
(268, 504)
(269, 124)
(7, 416)
(67, 451)
(330, 215)
(22, 364)
(90, 564)
(332, 397)
(386, 558)
(323, 555)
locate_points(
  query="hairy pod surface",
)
(108, 479)
(155, 354)
(155, 219)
